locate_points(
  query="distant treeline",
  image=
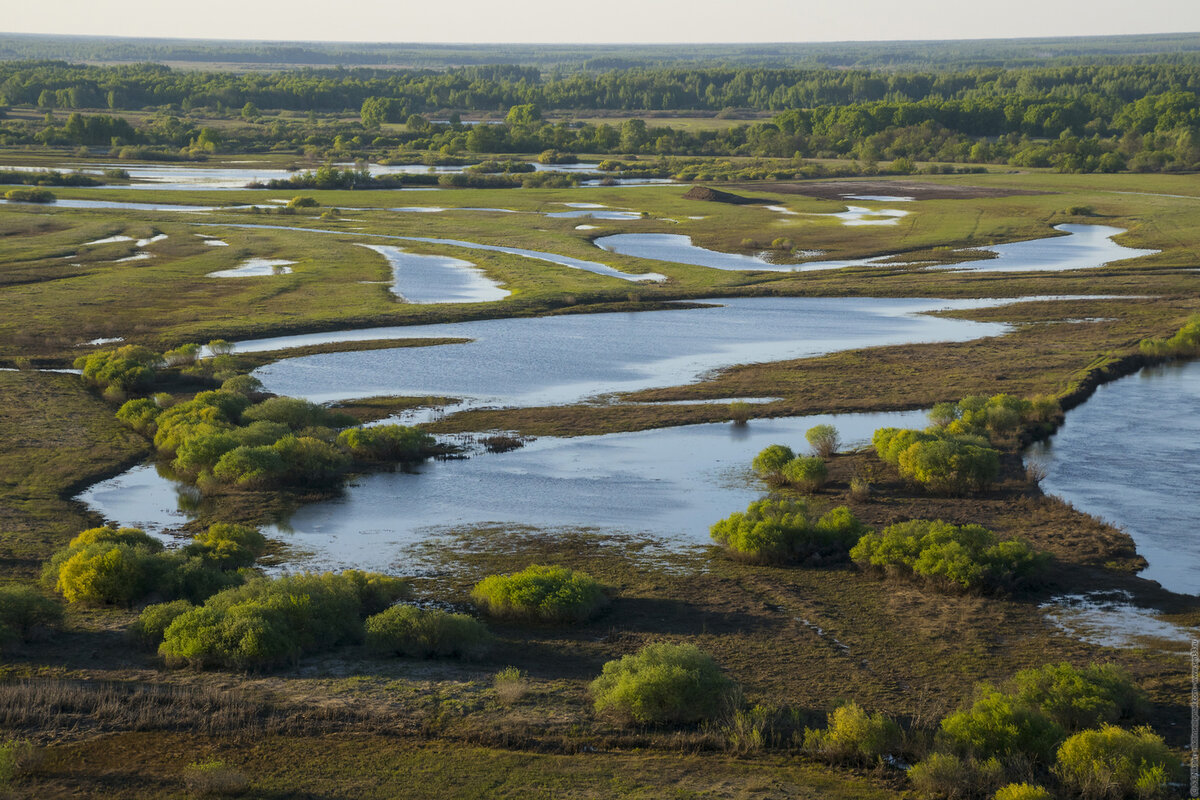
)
(911, 54)
(1097, 89)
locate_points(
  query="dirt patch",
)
(837, 190)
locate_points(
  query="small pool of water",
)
(677, 248)
(1110, 619)
(673, 483)
(1128, 455)
(422, 278)
(255, 268)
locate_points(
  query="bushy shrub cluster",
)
(938, 460)
(662, 683)
(960, 558)
(221, 439)
(29, 195)
(853, 735)
(996, 416)
(24, 611)
(545, 593)
(126, 369)
(1027, 726)
(780, 466)
(823, 439)
(406, 630)
(1185, 342)
(122, 566)
(775, 530)
(267, 622)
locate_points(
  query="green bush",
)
(662, 683)
(386, 443)
(806, 473)
(1000, 725)
(546, 593)
(154, 620)
(851, 734)
(266, 622)
(24, 611)
(950, 465)
(18, 757)
(949, 776)
(769, 462)
(121, 566)
(242, 384)
(1113, 763)
(966, 558)
(426, 633)
(184, 355)
(1022, 791)
(1185, 342)
(1080, 698)
(823, 439)
(127, 368)
(251, 467)
(777, 530)
(140, 415)
(297, 414)
(228, 546)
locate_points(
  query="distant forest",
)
(910, 55)
(1109, 112)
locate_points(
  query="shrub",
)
(228, 546)
(774, 530)
(1022, 791)
(386, 443)
(851, 734)
(250, 467)
(24, 611)
(268, 622)
(127, 368)
(949, 776)
(966, 558)
(1002, 726)
(242, 384)
(548, 593)
(154, 620)
(425, 633)
(1115, 763)
(740, 412)
(29, 195)
(1185, 342)
(108, 573)
(950, 465)
(297, 414)
(510, 684)
(139, 414)
(662, 683)
(302, 201)
(823, 439)
(806, 473)
(184, 355)
(1080, 698)
(769, 462)
(135, 537)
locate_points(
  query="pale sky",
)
(633, 21)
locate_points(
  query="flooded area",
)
(1128, 455)
(255, 268)
(567, 359)
(1082, 247)
(421, 278)
(672, 482)
(1111, 619)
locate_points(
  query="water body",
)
(672, 483)
(255, 268)
(421, 278)
(1083, 247)
(569, 358)
(880, 198)
(1129, 455)
(538, 255)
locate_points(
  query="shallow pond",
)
(422, 278)
(255, 268)
(673, 483)
(1128, 455)
(565, 359)
(1083, 247)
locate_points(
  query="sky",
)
(633, 21)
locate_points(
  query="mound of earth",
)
(717, 196)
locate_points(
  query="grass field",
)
(115, 723)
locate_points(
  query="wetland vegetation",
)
(422, 519)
